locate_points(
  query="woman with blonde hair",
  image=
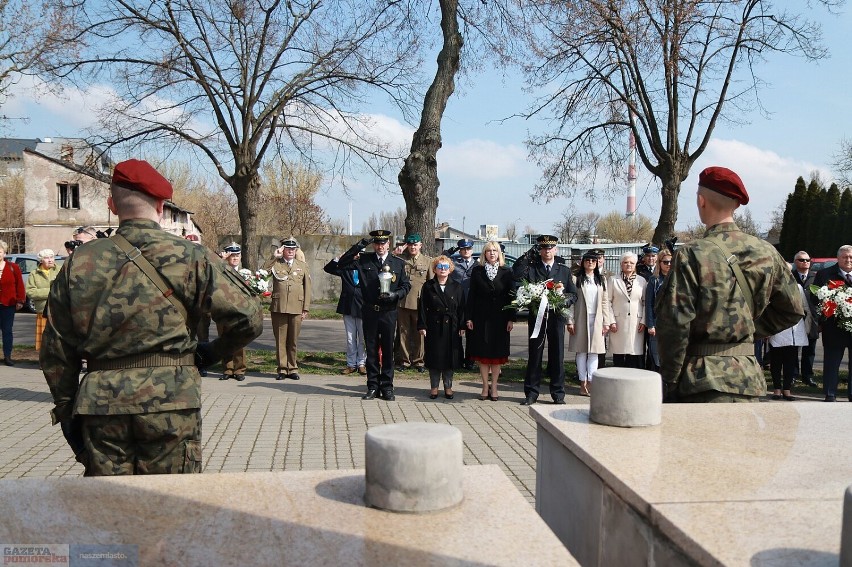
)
(12, 298)
(38, 288)
(488, 324)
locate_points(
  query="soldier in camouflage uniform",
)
(137, 410)
(706, 323)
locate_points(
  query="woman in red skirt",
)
(488, 324)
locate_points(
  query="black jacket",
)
(441, 313)
(350, 301)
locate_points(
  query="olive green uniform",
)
(140, 402)
(705, 327)
(291, 295)
(411, 344)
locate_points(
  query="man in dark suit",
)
(540, 269)
(804, 277)
(379, 309)
(835, 341)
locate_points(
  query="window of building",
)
(69, 195)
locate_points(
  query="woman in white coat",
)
(589, 320)
(627, 298)
(784, 354)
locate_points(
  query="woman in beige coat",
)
(627, 298)
(589, 320)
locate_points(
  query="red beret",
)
(138, 175)
(724, 181)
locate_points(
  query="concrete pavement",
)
(260, 424)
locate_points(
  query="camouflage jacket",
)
(701, 304)
(102, 307)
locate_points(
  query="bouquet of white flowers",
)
(529, 296)
(258, 281)
(835, 300)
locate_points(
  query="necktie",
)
(848, 279)
(547, 269)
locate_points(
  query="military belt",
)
(389, 307)
(721, 349)
(144, 360)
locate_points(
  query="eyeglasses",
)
(590, 259)
(442, 266)
(666, 262)
(803, 260)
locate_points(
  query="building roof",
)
(13, 148)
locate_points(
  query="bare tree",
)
(665, 71)
(12, 215)
(843, 163)
(747, 223)
(511, 231)
(289, 207)
(32, 38)
(575, 226)
(692, 232)
(618, 228)
(213, 205)
(419, 176)
(337, 227)
(236, 81)
(393, 221)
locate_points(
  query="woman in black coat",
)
(488, 324)
(441, 320)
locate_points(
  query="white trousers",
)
(587, 363)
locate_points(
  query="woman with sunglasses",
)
(440, 320)
(655, 282)
(589, 319)
(488, 324)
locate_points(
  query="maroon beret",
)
(724, 181)
(139, 175)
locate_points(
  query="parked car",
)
(818, 264)
(28, 263)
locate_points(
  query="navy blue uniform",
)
(378, 314)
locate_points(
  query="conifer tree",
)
(829, 214)
(791, 226)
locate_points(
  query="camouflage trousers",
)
(151, 443)
(711, 396)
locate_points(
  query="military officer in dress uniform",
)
(723, 291)
(418, 268)
(129, 304)
(291, 302)
(649, 260)
(462, 267)
(380, 307)
(544, 268)
(234, 364)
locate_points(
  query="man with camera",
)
(383, 284)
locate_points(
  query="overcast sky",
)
(486, 177)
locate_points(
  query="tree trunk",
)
(668, 213)
(246, 186)
(418, 178)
